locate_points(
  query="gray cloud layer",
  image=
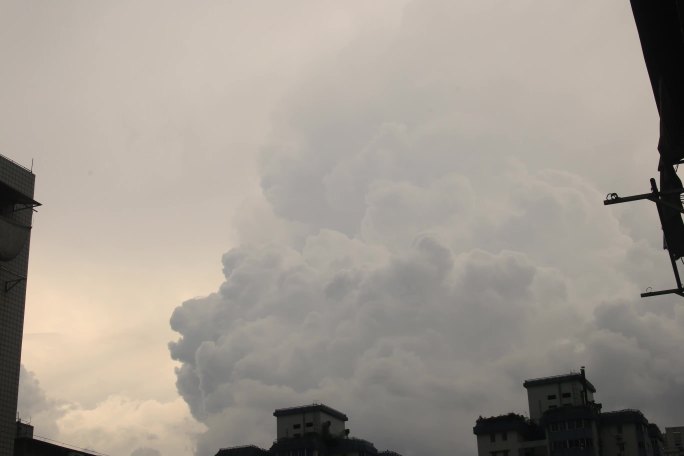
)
(434, 235)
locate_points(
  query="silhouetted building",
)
(624, 432)
(657, 439)
(310, 430)
(509, 435)
(548, 393)
(566, 421)
(247, 450)
(16, 210)
(26, 445)
(310, 419)
(673, 441)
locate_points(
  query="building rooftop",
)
(2, 157)
(25, 446)
(309, 409)
(554, 379)
(507, 422)
(623, 417)
(654, 431)
(245, 450)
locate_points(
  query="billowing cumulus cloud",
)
(35, 407)
(117, 425)
(432, 234)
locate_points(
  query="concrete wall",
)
(674, 441)
(628, 439)
(302, 423)
(543, 397)
(511, 442)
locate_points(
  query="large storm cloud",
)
(432, 234)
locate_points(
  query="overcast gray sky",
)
(383, 206)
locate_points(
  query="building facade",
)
(310, 430)
(624, 433)
(673, 441)
(565, 420)
(16, 211)
(316, 419)
(549, 393)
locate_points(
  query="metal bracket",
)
(613, 198)
(9, 284)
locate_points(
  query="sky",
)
(391, 207)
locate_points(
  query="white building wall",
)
(543, 397)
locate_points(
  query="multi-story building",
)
(565, 420)
(673, 441)
(657, 440)
(548, 393)
(509, 435)
(16, 210)
(310, 419)
(310, 430)
(624, 433)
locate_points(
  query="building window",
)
(567, 394)
(504, 436)
(309, 424)
(552, 406)
(571, 424)
(619, 429)
(551, 397)
(492, 437)
(296, 426)
(621, 446)
(554, 426)
(559, 444)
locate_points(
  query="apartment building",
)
(310, 430)
(673, 441)
(16, 213)
(565, 420)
